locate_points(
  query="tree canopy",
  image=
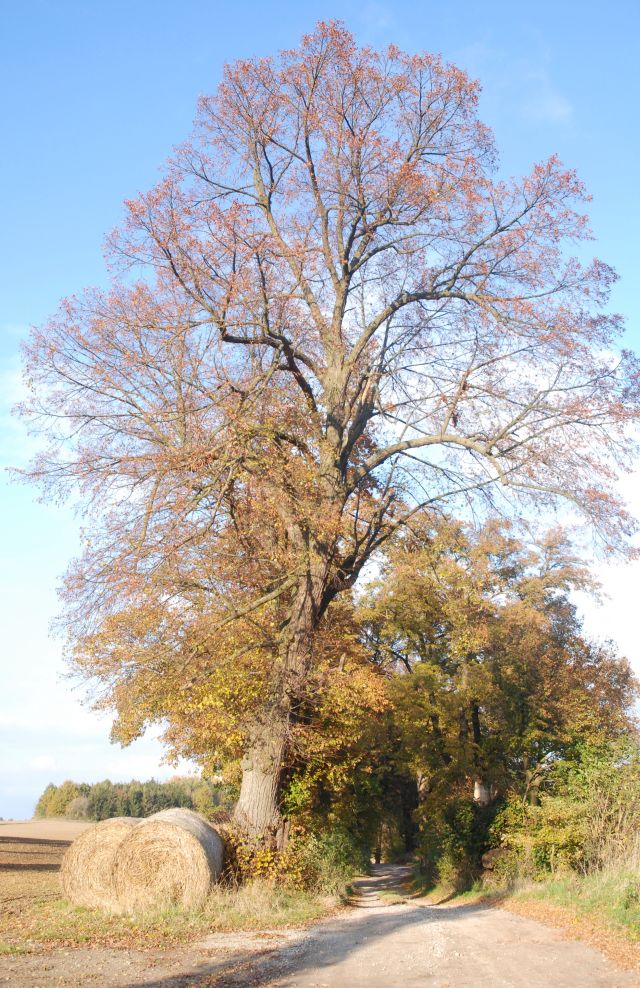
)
(331, 313)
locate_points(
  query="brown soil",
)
(30, 857)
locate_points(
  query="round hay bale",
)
(171, 858)
(87, 867)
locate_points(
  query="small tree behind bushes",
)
(106, 799)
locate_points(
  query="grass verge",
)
(602, 908)
(257, 906)
(612, 897)
(555, 904)
(10, 949)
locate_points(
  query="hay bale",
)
(171, 858)
(87, 870)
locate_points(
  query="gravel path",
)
(446, 946)
(441, 946)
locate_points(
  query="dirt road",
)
(445, 946)
(376, 945)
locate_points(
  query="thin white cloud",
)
(522, 85)
(68, 722)
(545, 104)
(17, 330)
(377, 17)
(126, 766)
(42, 763)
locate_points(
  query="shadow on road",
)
(324, 946)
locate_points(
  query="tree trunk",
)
(257, 811)
(258, 808)
(533, 781)
(481, 793)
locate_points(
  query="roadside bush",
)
(329, 860)
(588, 821)
(536, 840)
(322, 863)
(454, 838)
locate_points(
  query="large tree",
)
(328, 313)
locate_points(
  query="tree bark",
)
(258, 810)
(481, 792)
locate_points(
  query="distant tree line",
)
(102, 800)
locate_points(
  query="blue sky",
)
(93, 95)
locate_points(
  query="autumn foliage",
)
(330, 314)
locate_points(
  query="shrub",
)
(78, 808)
(454, 838)
(587, 821)
(328, 860)
(319, 862)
